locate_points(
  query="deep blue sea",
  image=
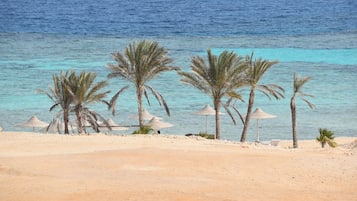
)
(316, 38)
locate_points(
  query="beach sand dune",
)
(38, 167)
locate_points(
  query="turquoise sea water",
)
(29, 60)
(326, 56)
(313, 38)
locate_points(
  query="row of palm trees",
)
(220, 76)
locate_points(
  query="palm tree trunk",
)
(218, 121)
(79, 120)
(66, 120)
(247, 118)
(139, 93)
(293, 119)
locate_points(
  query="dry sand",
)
(38, 167)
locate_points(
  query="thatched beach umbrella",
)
(113, 126)
(146, 115)
(34, 122)
(157, 124)
(207, 110)
(260, 114)
(56, 126)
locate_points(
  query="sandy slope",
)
(36, 167)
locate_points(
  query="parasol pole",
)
(257, 130)
(206, 123)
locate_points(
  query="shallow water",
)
(39, 39)
(34, 58)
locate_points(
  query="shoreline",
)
(39, 167)
(341, 139)
(344, 143)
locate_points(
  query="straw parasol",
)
(113, 125)
(157, 124)
(260, 114)
(56, 126)
(146, 115)
(207, 110)
(34, 122)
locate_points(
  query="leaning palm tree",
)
(85, 91)
(61, 97)
(219, 78)
(326, 136)
(298, 84)
(255, 71)
(140, 63)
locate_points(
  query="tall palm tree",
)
(61, 97)
(255, 71)
(85, 91)
(298, 84)
(219, 78)
(140, 63)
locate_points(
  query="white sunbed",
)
(275, 142)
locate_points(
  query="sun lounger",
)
(274, 142)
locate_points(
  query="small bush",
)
(143, 130)
(206, 135)
(326, 136)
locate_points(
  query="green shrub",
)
(326, 136)
(206, 135)
(143, 130)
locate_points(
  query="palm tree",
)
(326, 136)
(85, 91)
(219, 78)
(61, 97)
(298, 84)
(140, 63)
(255, 71)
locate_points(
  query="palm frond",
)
(96, 97)
(53, 106)
(226, 108)
(271, 90)
(99, 118)
(301, 94)
(91, 117)
(235, 95)
(312, 106)
(298, 83)
(146, 96)
(195, 81)
(159, 98)
(106, 103)
(332, 143)
(114, 99)
(239, 114)
(93, 94)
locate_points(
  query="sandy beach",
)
(39, 167)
